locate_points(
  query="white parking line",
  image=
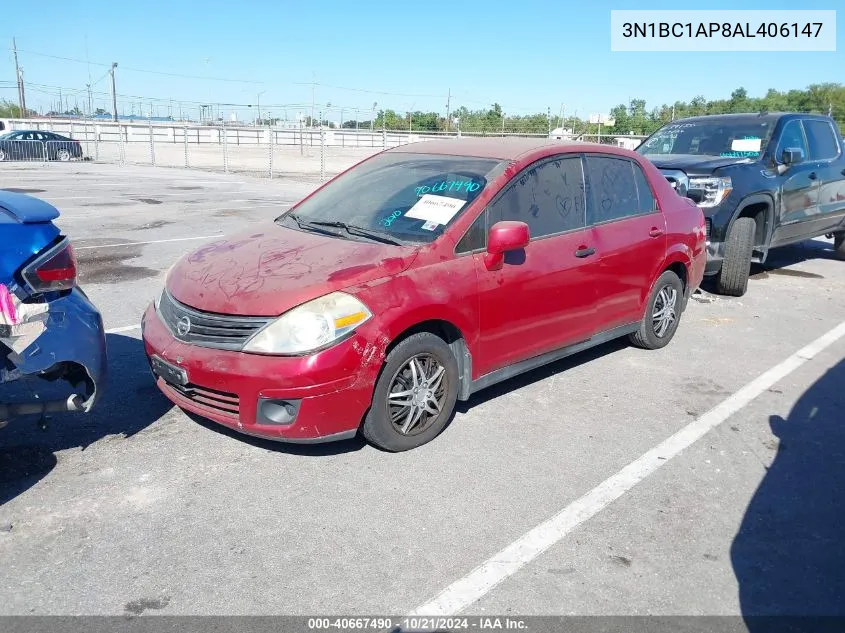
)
(123, 196)
(464, 592)
(175, 239)
(125, 328)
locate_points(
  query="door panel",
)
(821, 138)
(544, 296)
(800, 188)
(632, 251)
(630, 235)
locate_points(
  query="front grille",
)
(219, 402)
(208, 329)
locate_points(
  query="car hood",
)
(693, 164)
(267, 271)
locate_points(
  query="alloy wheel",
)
(417, 394)
(63, 155)
(663, 315)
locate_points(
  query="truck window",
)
(821, 139)
(792, 136)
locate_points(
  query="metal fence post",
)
(272, 136)
(186, 146)
(322, 154)
(383, 138)
(225, 148)
(152, 142)
(121, 148)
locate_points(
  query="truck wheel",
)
(839, 244)
(736, 267)
(415, 396)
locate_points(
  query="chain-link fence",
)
(271, 152)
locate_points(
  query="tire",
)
(839, 244)
(429, 353)
(63, 155)
(3, 155)
(736, 267)
(654, 333)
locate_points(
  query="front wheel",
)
(736, 267)
(3, 155)
(415, 396)
(663, 313)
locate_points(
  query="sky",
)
(528, 57)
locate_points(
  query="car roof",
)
(502, 148)
(745, 116)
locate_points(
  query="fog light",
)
(283, 412)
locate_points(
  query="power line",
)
(228, 79)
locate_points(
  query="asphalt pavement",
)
(139, 508)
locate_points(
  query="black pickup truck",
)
(762, 180)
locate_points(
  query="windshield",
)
(734, 138)
(411, 197)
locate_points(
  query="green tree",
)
(9, 110)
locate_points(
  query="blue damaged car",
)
(52, 344)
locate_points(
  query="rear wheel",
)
(63, 155)
(663, 313)
(415, 395)
(736, 267)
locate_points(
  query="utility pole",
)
(19, 78)
(90, 102)
(113, 91)
(549, 117)
(448, 103)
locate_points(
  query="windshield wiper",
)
(353, 229)
(310, 226)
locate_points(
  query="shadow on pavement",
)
(130, 403)
(314, 450)
(789, 553)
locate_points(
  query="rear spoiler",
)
(26, 209)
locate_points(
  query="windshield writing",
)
(412, 197)
(736, 138)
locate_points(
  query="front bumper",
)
(72, 346)
(326, 393)
(715, 255)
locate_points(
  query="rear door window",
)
(821, 139)
(615, 194)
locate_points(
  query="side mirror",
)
(792, 155)
(504, 237)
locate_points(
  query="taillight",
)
(54, 269)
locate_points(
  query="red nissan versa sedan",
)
(418, 277)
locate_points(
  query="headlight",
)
(311, 326)
(715, 189)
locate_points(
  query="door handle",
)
(655, 232)
(585, 252)
(812, 175)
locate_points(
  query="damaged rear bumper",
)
(71, 347)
